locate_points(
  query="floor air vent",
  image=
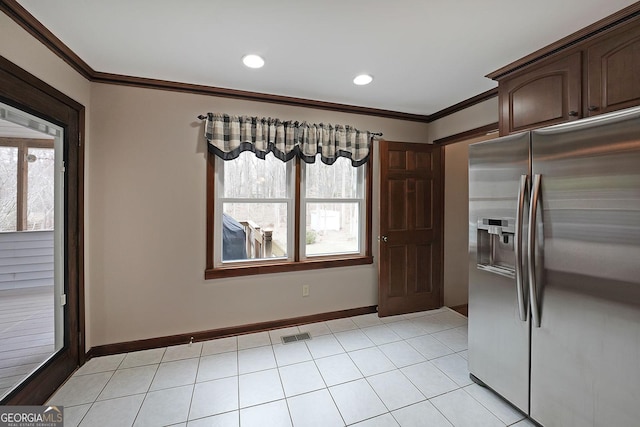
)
(294, 338)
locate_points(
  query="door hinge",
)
(63, 299)
(64, 166)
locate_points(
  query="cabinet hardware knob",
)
(573, 114)
(592, 108)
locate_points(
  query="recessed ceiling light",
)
(253, 61)
(362, 79)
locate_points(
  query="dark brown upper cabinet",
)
(544, 95)
(593, 71)
(613, 71)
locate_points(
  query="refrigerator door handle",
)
(531, 249)
(518, 247)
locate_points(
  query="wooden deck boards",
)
(26, 333)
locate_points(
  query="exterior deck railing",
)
(259, 241)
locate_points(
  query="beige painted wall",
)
(473, 117)
(147, 235)
(456, 193)
(456, 225)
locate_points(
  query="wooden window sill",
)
(283, 267)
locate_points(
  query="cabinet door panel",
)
(613, 66)
(545, 90)
(542, 96)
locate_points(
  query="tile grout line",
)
(400, 370)
(360, 328)
(487, 408)
(284, 393)
(438, 409)
(442, 394)
(195, 382)
(129, 395)
(238, 370)
(323, 379)
(98, 395)
(389, 411)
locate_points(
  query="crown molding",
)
(491, 93)
(579, 36)
(471, 133)
(143, 82)
(34, 27)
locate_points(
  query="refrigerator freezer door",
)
(498, 339)
(585, 356)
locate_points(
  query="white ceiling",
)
(425, 55)
(12, 130)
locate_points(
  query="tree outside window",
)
(27, 174)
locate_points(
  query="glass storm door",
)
(32, 279)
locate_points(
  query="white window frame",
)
(220, 200)
(216, 269)
(360, 200)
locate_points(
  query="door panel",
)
(424, 195)
(543, 96)
(585, 369)
(398, 260)
(397, 199)
(410, 262)
(424, 268)
(613, 66)
(498, 338)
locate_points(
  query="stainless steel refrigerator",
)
(554, 274)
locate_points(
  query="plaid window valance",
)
(228, 136)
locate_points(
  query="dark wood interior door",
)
(410, 241)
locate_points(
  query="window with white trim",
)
(255, 212)
(285, 196)
(254, 209)
(333, 208)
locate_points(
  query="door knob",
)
(383, 239)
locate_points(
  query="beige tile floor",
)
(408, 370)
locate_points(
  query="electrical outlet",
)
(305, 290)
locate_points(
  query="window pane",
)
(251, 177)
(8, 188)
(332, 228)
(251, 225)
(40, 192)
(336, 181)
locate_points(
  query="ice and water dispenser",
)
(495, 242)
